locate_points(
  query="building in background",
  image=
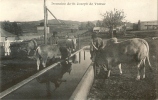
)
(58, 28)
(3, 34)
(145, 25)
(40, 29)
(100, 29)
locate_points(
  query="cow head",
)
(28, 46)
(111, 41)
(23, 47)
(65, 52)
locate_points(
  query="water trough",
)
(76, 87)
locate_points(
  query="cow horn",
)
(94, 46)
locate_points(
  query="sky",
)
(32, 10)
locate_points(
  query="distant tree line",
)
(11, 27)
(99, 24)
(87, 26)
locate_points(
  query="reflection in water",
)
(55, 75)
(73, 59)
(37, 90)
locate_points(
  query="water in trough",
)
(36, 89)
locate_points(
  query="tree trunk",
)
(112, 35)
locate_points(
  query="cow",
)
(44, 52)
(28, 46)
(131, 51)
(71, 44)
(55, 75)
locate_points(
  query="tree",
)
(12, 27)
(90, 26)
(7, 26)
(16, 29)
(42, 24)
(98, 24)
(112, 19)
(139, 26)
(82, 26)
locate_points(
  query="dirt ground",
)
(125, 87)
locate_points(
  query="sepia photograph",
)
(78, 49)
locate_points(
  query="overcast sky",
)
(32, 10)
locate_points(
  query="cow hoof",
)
(120, 74)
(138, 78)
(143, 76)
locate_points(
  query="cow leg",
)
(38, 63)
(28, 52)
(44, 60)
(144, 68)
(144, 73)
(109, 73)
(138, 69)
(120, 69)
(43, 63)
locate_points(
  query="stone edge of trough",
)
(84, 86)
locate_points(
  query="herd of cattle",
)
(44, 52)
(132, 51)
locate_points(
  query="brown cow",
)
(131, 51)
(44, 52)
(55, 75)
(71, 44)
(28, 46)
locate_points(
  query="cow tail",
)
(149, 63)
(147, 58)
(35, 44)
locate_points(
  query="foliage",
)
(42, 24)
(90, 26)
(12, 27)
(82, 26)
(112, 19)
(98, 24)
(139, 26)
